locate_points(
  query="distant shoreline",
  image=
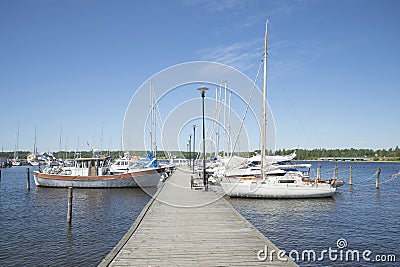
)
(367, 161)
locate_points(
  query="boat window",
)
(287, 181)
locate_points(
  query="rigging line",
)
(246, 110)
(362, 183)
(160, 122)
(391, 178)
(214, 114)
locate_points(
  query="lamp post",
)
(187, 150)
(194, 144)
(203, 94)
(190, 152)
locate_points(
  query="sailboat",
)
(15, 161)
(33, 157)
(291, 185)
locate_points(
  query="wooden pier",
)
(185, 227)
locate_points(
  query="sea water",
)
(34, 229)
(333, 231)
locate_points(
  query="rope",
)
(394, 176)
(361, 183)
(391, 178)
(246, 110)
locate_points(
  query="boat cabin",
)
(89, 167)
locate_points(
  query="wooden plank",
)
(182, 226)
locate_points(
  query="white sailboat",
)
(33, 157)
(15, 161)
(290, 185)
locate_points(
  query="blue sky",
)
(333, 66)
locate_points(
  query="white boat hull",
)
(260, 189)
(16, 163)
(142, 178)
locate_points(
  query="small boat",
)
(15, 162)
(94, 173)
(121, 165)
(292, 184)
(32, 158)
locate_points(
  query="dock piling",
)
(335, 174)
(351, 176)
(69, 215)
(28, 180)
(378, 172)
(319, 171)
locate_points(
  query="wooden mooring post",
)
(69, 215)
(378, 172)
(319, 171)
(351, 176)
(28, 180)
(335, 173)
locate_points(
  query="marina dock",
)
(181, 226)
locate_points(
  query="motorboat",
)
(95, 173)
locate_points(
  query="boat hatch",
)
(287, 181)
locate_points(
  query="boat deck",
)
(182, 226)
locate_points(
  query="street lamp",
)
(190, 152)
(203, 94)
(194, 144)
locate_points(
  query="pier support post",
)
(28, 180)
(69, 215)
(351, 176)
(335, 174)
(378, 172)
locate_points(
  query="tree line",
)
(314, 154)
(302, 154)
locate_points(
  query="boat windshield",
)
(121, 162)
(142, 163)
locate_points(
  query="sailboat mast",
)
(151, 118)
(264, 99)
(153, 121)
(34, 145)
(17, 146)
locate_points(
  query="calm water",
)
(33, 224)
(34, 232)
(368, 219)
